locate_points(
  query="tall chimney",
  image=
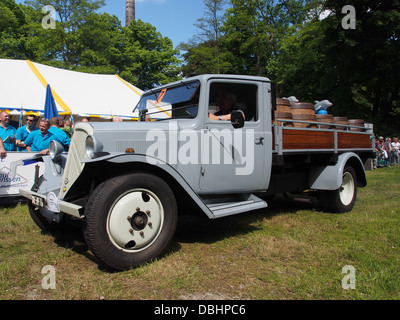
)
(130, 12)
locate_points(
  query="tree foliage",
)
(12, 33)
(205, 52)
(364, 61)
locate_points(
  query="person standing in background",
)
(7, 131)
(3, 152)
(39, 140)
(23, 132)
(61, 135)
(68, 128)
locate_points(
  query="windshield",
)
(181, 101)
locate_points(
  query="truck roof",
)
(206, 77)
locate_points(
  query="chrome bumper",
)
(65, 207)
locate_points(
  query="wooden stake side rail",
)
(291, 139)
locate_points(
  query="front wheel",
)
(130, 220)
(47, 226)
(342, 199)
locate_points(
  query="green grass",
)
(288, 251)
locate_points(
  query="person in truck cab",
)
(226, 104)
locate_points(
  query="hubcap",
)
(135, 220)
(347, 189)
(139, 221)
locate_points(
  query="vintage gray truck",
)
(127, 183)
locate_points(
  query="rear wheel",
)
(342, 199)
(130, 220)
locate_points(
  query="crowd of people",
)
(387, 152)
(33, 138)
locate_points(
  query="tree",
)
(205, 52)
(12, 32)
(364, 61)
(149, 58)
(299, 68)
(210, 24)
(101, 44)
(256, 28)
(71, 15)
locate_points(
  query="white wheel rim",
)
(347, 189)
(138, 205)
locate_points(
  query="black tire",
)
(343, 199)
(48, 226)
(130, 220)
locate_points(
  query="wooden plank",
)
(352, 140)
(307, 139)
(303, 139)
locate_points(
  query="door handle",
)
(260, 140)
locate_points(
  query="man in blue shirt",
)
(23, 132)
(60, 134)
(39, 140)
(3, 152)
(7, 132)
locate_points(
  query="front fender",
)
(148, 164)
(330, 177)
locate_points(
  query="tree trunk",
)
(130, 12)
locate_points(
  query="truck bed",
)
(341, 138)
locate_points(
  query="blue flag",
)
(50, 108)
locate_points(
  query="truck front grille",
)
(76, 153)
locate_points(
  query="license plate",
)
(37, 201)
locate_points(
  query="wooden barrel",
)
(303, 111)
(302, 108)
(283, 105)
(283, 115)
(340, 120)
(356, 122)
(305, 117)
(325, 118)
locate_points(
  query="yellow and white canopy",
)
(23, 90)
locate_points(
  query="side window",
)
(228, 97)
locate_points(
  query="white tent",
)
(23, 90)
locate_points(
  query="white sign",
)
(52, 202)
(25, 177)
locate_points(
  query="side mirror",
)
(142, 115)
(237, 119)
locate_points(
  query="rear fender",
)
(330, 177)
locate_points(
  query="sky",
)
(174, 19)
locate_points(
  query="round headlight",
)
(92, 146)
(56, 149)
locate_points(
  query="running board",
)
(228, 208)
